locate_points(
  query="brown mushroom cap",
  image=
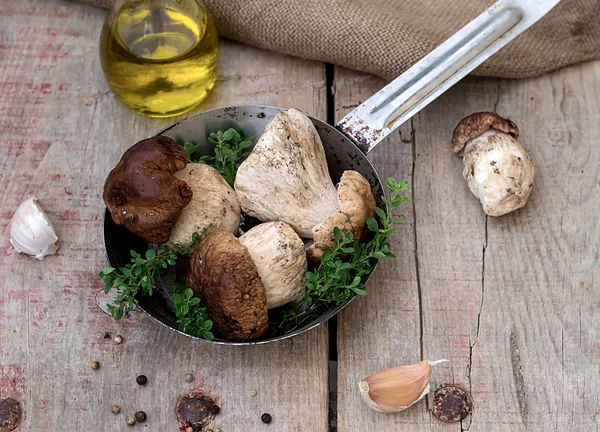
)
(356, 204)
(223, 275)
(141, 191)
(474, 125)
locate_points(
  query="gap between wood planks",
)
(483, 250)
(333, 323)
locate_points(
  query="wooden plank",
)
(541, 265)
(450, 236)
(381, 330)
(510, 300)
(521, 330)
(61, 130)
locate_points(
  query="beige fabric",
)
(385, 37)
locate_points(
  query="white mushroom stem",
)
(498, 171)
(278, 253)
(286, 177)
(213, 207)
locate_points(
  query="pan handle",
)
(443, 67)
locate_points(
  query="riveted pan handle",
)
(397, 102)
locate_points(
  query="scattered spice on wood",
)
(141, 380)
(196, 409)
(95, 365)
(189, 377)
(452, 403)
(186, 425)
(116, 409)
(130, 421)
(11, 414)
(118, 339)
(252, 393)
(266, 418)
(140, 416)
(106, 336)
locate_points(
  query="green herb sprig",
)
(139, 276)
(343, 269)
(229, 151)
(192, 317)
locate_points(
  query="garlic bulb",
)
(398, 388)
(31, 232)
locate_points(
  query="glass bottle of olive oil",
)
(159, 56)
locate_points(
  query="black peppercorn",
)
(141, 380)
(215, 409)
(266, 418)
(140, 416)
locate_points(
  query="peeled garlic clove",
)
(398, 388)
(31, 232)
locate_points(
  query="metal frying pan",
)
(348, 143)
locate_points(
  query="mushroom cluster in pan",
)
(284, 183)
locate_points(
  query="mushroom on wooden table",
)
(497, 168)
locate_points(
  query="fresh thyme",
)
(229, 150)
(139, 276)
(343, 269)
(192, 317)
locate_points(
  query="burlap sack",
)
(385, 37)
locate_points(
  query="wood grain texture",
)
(513, 302)
(61, 130)
(380, 330)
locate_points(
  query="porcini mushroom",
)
(213, 207)
(141, 191)
(279, 256)
(356, 204)
(286, 178)
(222, 273)
(498, 170)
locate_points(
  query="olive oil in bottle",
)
(159, 56)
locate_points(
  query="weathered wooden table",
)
(513, 302)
